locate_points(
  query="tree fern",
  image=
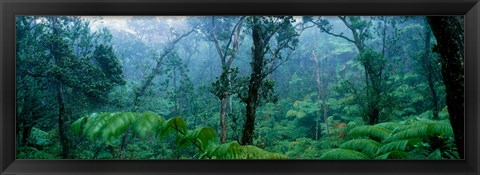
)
(400, 145)
(146, 124)
(233, 150)
(108, 125)
(395, 140)
(393, 155)
(343, 154)
(437, 154)
(201, 137)
(374, 132)
(423, 130)
(366, 146)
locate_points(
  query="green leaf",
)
(393, 155)
(366, 146)
(374, 132)
(343, 154)
(147, 124)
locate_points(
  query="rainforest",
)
(240, 87)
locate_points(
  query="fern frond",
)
(117, 124)
(400, 145)
(147, 123)
(343, 154)
(390, 125)
(202, 137)
(374, 132)
(393, 155)
(437, 154)
(253, 152)
(233, 150)
(78, 125)
(366, 146)
(423, 130)
(175, 124)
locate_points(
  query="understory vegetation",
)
(238, 87)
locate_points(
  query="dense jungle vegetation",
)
(239, 87)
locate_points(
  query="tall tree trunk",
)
(223, 119)
(226, 59)
(372, 109)
(448, 31)
(254, 83)
(61, 121)
(59, 93)
(321, 96)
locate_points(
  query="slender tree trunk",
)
(124, 143)
(226, 59)
(61, 121)
(448, 31)
(223, 118)
(321, 93)
(148, 79)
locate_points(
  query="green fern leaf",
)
(202, 137)
(374, 132)
(78, 125)
(400, 145)
(366, 146)
(343, 154)
(116, 124)
(437, 154)
(146, 124)
(175, 124)
(393, 155)
(233, 150)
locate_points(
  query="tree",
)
(227, 51)
(70, 60)
(263, 29)
(429, 69)
(449, 32)
(373, 63)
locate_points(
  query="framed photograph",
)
(239, 87)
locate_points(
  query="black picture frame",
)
(10, 8)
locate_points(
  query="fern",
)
(233, 150)
(437, 154)
(147, 124)
(175, 124)
(374, 132)
(343, 154)
(201, 137)
(366, 146)
(400, 145)
(109, 125)
(393, 155)
(394, 140)
(423, 130)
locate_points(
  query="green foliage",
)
(203, 137)
(343, 154)
(40, 138)
(374, 132)
(233, 150)
(111, 125)
(33, 153)
(365, 146)
(411, 139)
